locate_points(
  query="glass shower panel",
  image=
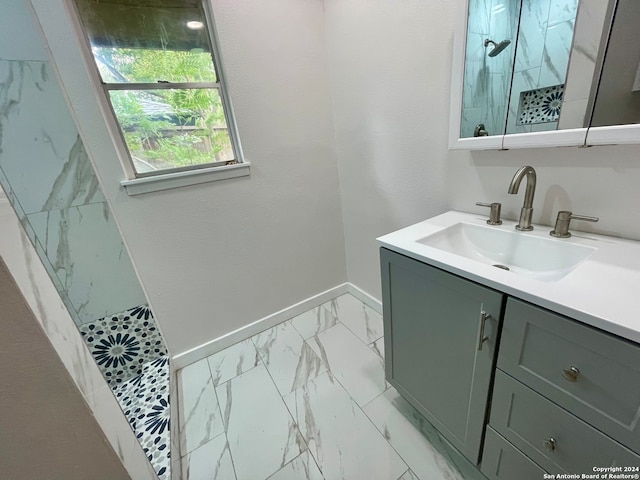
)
(544, 44)
(492, 27)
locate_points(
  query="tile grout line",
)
(295, 421)
(382, 433)
(224, 427)
(329, 372)
(351, 397)
(337, 317)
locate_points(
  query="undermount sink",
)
(525, 254)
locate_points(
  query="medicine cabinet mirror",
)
(531, 73)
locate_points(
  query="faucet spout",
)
(527, 208)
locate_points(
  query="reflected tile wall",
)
(486, 80)
(88, 256)
(542, 56)
(40, 150)
(56, 194)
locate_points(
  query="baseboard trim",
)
(202, 351)
(364, 297)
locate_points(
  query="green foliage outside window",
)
(166, 128)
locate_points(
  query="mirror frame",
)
(576, 137)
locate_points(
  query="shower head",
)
(497, 47)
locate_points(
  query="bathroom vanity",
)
(523, 350)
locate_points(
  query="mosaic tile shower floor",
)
(129, 351)
(307, 399)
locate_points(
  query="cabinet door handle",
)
(482, 338)
(550, 444)
(571, 374)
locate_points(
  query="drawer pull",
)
(483, 338)
(571, 374)
(550, 444)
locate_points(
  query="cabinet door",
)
(432, 327)
(503, 461)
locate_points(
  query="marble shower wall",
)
(542, 56)
(51, 183)
(487, 79)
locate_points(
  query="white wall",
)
(390, 66)
(216, 257)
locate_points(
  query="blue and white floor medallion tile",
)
(541, 105)
(127, 395)
(122, 343)
(144, 400)
(154, 435)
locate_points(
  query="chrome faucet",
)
(527, 208)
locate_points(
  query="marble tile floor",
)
(307, 399)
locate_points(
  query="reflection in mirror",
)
(618, 98)
(491, 31)
(529, 65)
(542, 56)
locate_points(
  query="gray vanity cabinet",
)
(436, 357)
(585, 371)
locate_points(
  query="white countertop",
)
(602, 291)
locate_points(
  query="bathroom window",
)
(158, 67)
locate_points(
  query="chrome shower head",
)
(497, 47)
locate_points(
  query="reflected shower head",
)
(497, 47)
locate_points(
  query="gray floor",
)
(307, 399)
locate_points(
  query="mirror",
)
(535, 66)
(618, 95)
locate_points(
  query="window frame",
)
(145, 182)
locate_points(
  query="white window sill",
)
(139, 186)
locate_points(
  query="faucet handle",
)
(561, 230)
(494, 214)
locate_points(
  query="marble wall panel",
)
(542, 56)
(470, 118)
(555, 57)
(561, 10)
(522, 81)
(16, 22)
(533, 25)
(40, 150)
(89, 259)
(486, 80)
(479, 16)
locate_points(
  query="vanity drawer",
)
(503, 461)
(541, 348)
(549, 435)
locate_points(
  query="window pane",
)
(172, 128)
(148, 40)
